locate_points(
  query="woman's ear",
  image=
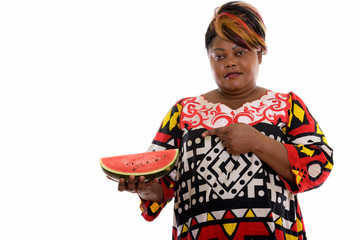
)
(260, 54)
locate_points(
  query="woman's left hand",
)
(238, 138)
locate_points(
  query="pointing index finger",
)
(214, 131)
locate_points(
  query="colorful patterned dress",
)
(223, 196)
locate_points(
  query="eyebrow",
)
(217, 49)
(235, 47)
(221, 49)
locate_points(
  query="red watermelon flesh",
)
(147, 164)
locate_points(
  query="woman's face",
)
(234, 68)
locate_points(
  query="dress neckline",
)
(237, 109)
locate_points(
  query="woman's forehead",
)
(220, 44)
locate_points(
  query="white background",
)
(82, 80)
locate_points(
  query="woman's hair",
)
(238, 22)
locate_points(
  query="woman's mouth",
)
(232, 75)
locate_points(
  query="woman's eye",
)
(218, 57)
(240, 53)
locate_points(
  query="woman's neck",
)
(234, 101)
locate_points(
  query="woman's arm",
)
(157, 194)
(239, 138)
(304, 161)
(274, 154)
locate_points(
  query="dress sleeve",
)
(168, 137)
(309, 154)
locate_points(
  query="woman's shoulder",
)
(283, 95)
(192, 99)
(185, 102)
(290, 96)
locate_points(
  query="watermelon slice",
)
(147, 164)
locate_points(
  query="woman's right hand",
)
(151, 190)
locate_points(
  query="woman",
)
(246, 151)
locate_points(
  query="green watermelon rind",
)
(116, 175)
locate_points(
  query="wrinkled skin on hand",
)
(150, 190)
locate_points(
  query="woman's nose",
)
(230, 63)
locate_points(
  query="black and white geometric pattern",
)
(211, 175)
